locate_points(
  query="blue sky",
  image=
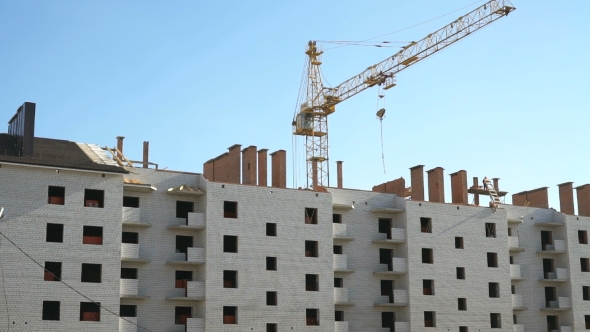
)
(195, 77)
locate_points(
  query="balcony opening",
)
(490, 229)
(387, 289)
(509, 231)
(548, 269)
(184, 208)
(311, 248)
(92, 235)
(429, 319)
(514, 319)
(311, 215)
(230, 243)
(461, 304)
(386, 257)
(130, 201)
(551, 297)
(583, 237)
(54, 233)
(230, 209)
(128, 273)
(338, 250)
(388, 320)
(492, 259)
(425, 225)
(339, 316)
(91, 273)
(271, 298)
(271, 263)
(427, 287)
(385, 226)
(271, 327)
(183, 243)
(312, 282)
(312, 317)
(338, 282)
(271, 229)
(511, 260)
(230, 279)
(463, 329)
(181, 278)
(181, 314)
(50, 310)
(336, 218)
(460, 273)
(427, 256)
(56, 195)
(587, 321)
(126, 310)
(90, 311)
(546, 240)
(494, 289)
(458, 242)
(513, 289)
(93, 198)
(130, 237)
(552, 323)
(585, 264)
(586, 293)
(52, 271)
(495, 321)
(230, 315)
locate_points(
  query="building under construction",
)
(95, 241)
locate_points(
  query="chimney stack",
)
(566, 198)
(583, 192)
(262, 167)
(279, 168)
(249, 165)
(314, 167)
(417, 182)
(475, 185)
(120, 146)
(459, 187)
(146, 152)
(495, 182)
(339, 171)
(436, 185)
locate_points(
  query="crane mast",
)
(320, 101)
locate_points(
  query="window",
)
(52, 271)
(338, 250)
(271, 263)
(271, 327)
(230, 209)
(458, 242)
(94, 198)
(183, 208)
(127, 310)
(585, 264)
(129, 201)
(460, 273)
(385, 227)
(509, 231)
(230, 315)
(514, 319)
(181, 278)
(230, 243)
(311, 248)
(91, 272)
(128, 273)
(427, 256)
(463, 329)
(181, 314)
(494, 289)
(490, 229)
(587, 321)
(583, 237)
(492, 259)
(92, 235)
(339, 316)
(427, 287)
(548, 268)
(130, 237)
(495, 321)
(230, 279)
(426, 225)
(387, 289)
(311, 215)
(90, 311)
(386, 257)
(337, 218)
(55, 233)
(338, 282)
(271, 298)
(312, 282)
(50, 310)
(388, 320)
(429, 319)
(586, 293)
(271, 229)
(462, 303)
(513, 289)
(56, 196)
(312, 317)
(511, 261)
(183, 243)
(546, 240)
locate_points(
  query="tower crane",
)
(320, 101)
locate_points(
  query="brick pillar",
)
(120, 146)
(583, 193)
(233, 164)
(249, 169)
(262, 167)
(496, 185)
(436, 185)
(475, 185)
(146, 154)
(538, 198)
(208, 168)
(314, 169)
(220, 168)
(519, 199)
(459, 187)
(279, 169)
(339, 172)
(566, 198)
(417, 182)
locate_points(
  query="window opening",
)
(387, 289)
(338, 282)
(388, 320)
(458, 242)
(427, 287)
(50, 310)
(271, 263)
(429, 319)
(490, 229)
(130, 237)
(130, 201)
(494, 289)
(311, 248)
(271, 327)
(271, 298)
(492, 259)
(91, 273)
(56, 195)
(386, 257)
(183, 243)
(181, 314)
(94, 198)
(230, 243)
(462, 303)
(427, 256)
(585, 264)
(312, 317)
(271, 229)
(230, 315)
(546, 240)
(583, 237)
(92, 235)
(52, 271)
(184, 208)
(552, 323)
(460, 273)
(586, 293)
(230, 209)
(549, 269)
(495, 321)
(338, 250)
(230, 279)
(90, 311)
(337, 218)
(181, 278)
(126, 310)
(339, 316)
(426, 225)
(385, 226)
(312, 282)
(54, 233)
(128, 273)
(311, 215)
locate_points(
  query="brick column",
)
(249, 165)
(475, 185)
(339, 172)
(417, 182)
(583, 193)
(436, 185)
(279, 169)
(120, 146)
(262, 167)
(459, 187)
(146, 153)
(566, 198)
(233, 164)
